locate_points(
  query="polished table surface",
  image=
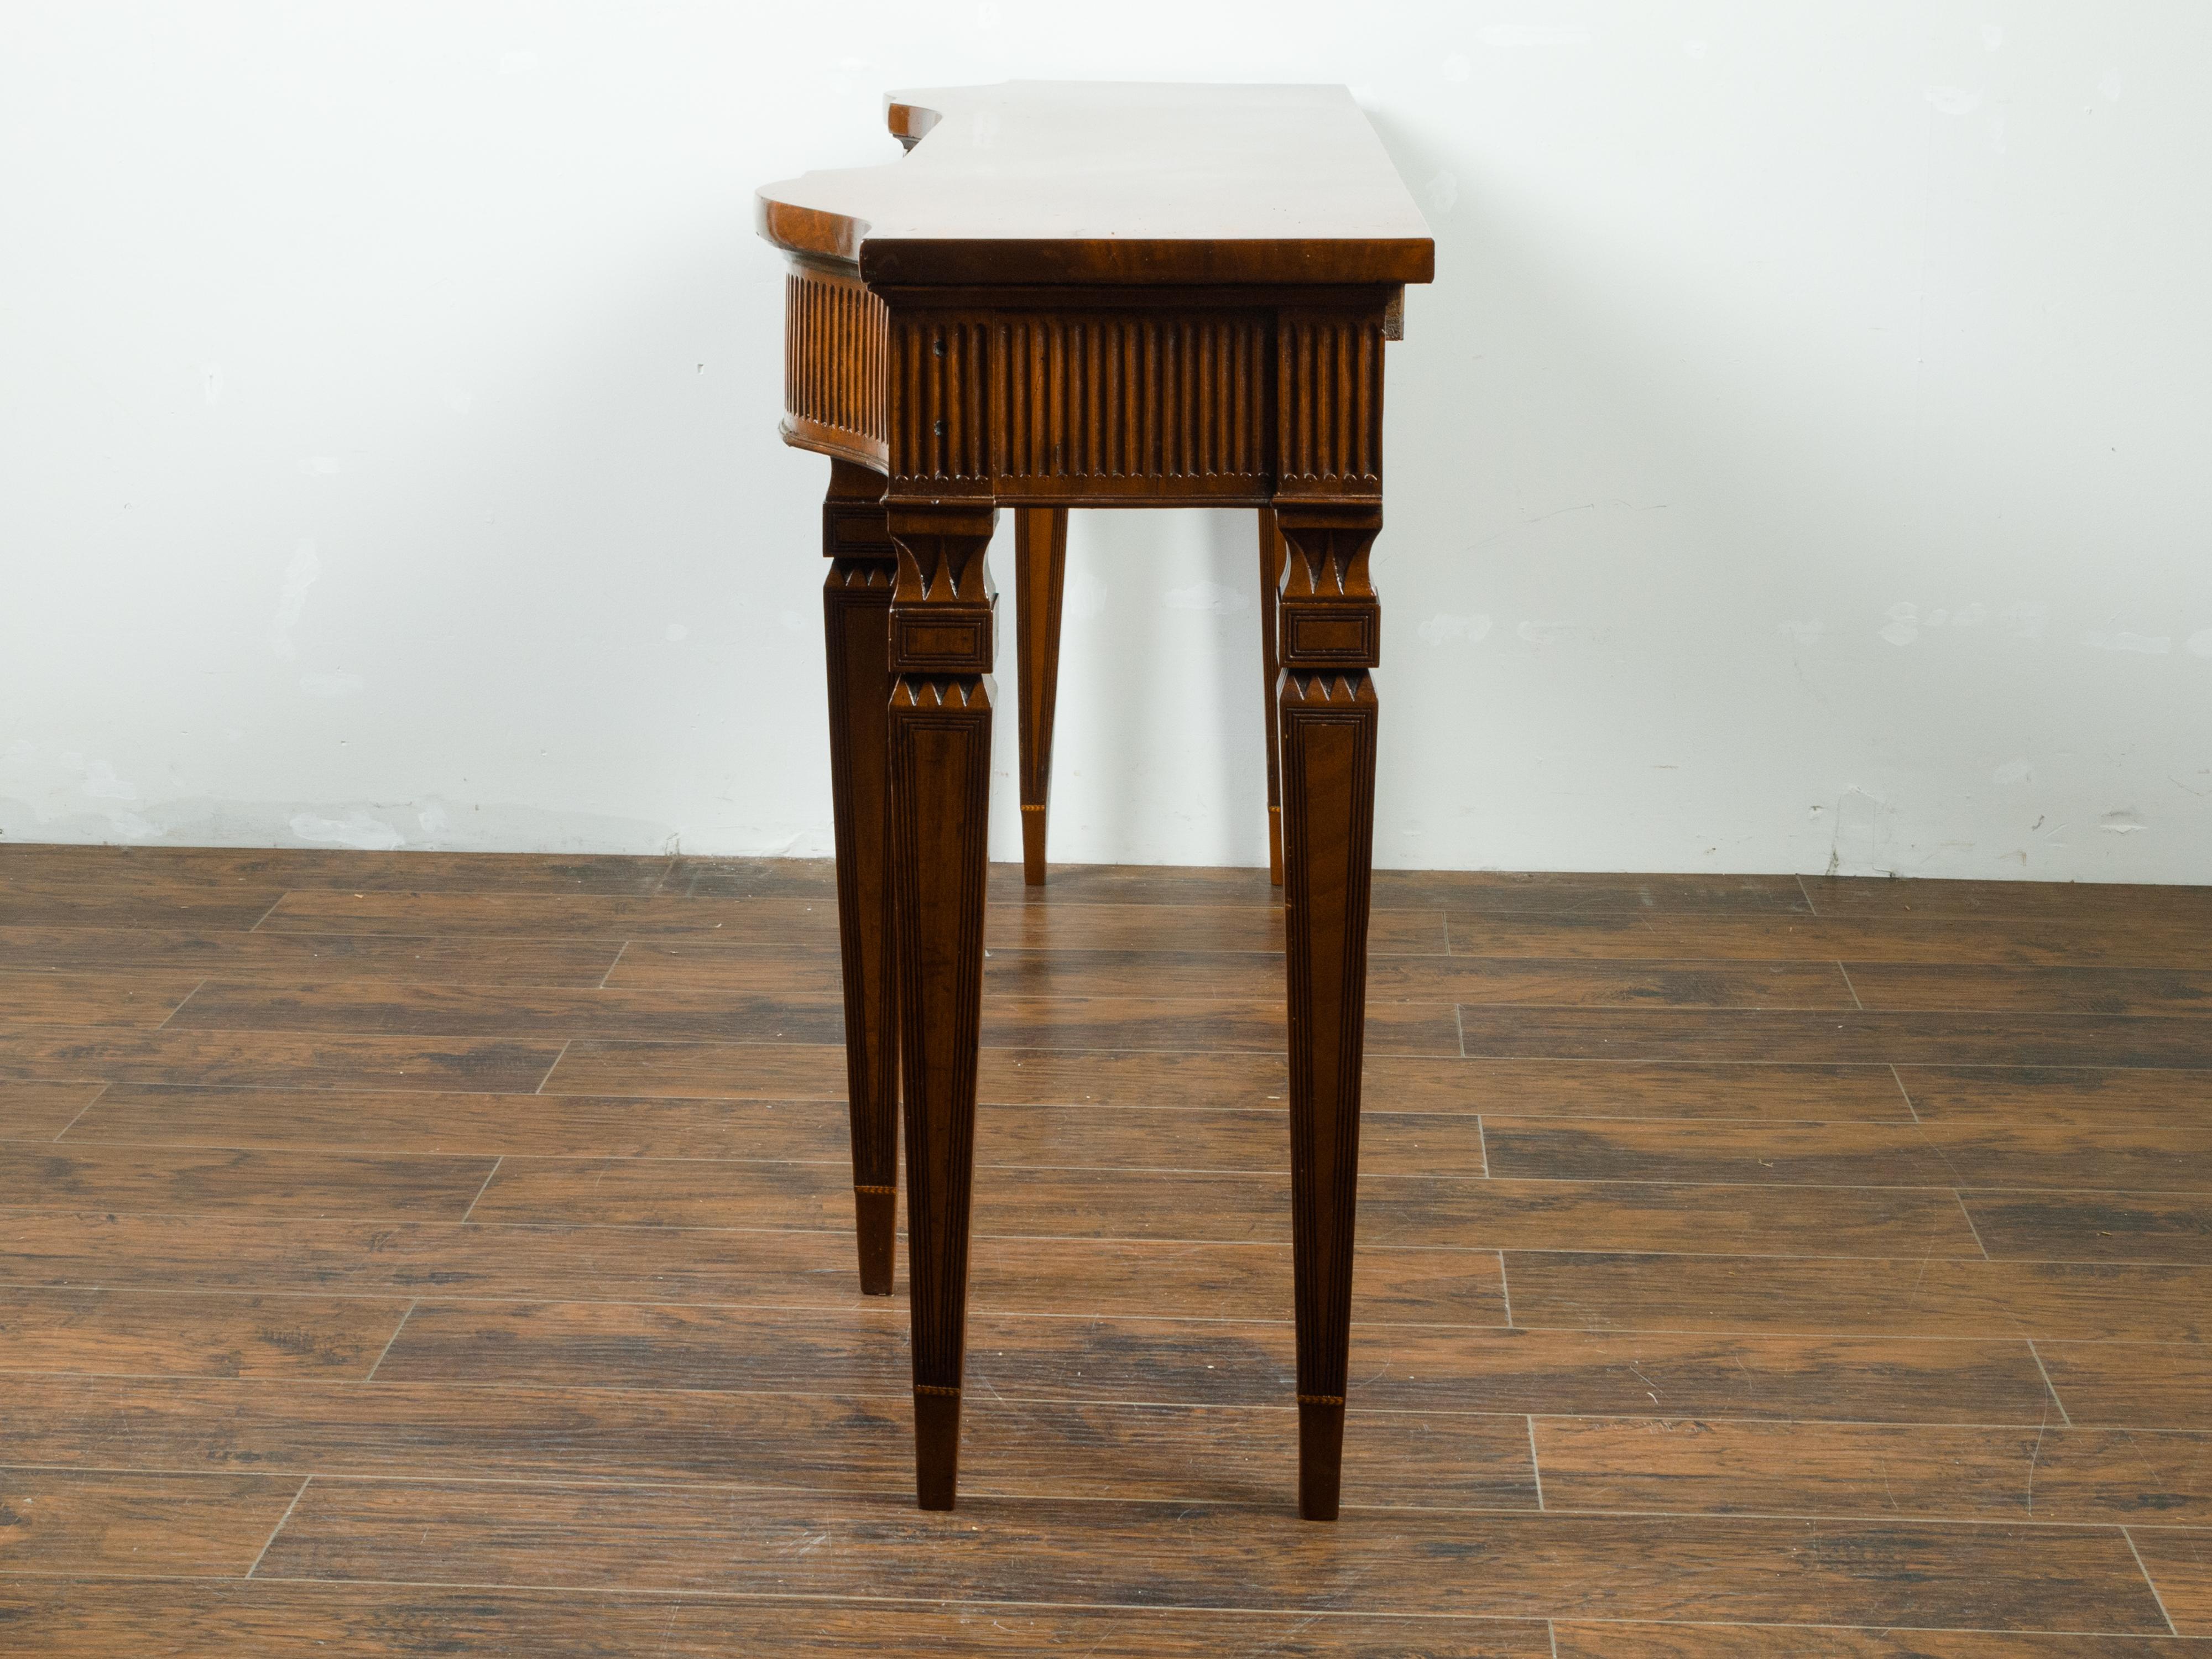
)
(1080, 295)
(1084, 181)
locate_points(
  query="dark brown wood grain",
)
(1409, 1211)
(1851, 1154)
(1755, 1091)
(2009, 1100)
(1847, 895)
(165, 868)
(464, 1125)
(1610, 900)
(853, 1443)
(1641, 1641)
(2147, 1384)
(142, 1178)
(1011, 1549)
(167, 1333)
(2042, 1472)
(55, 998)
(2179, 1565)
(330, 1060)
(749, 1268)
(519, 1012)
(1841, 1037)
(41, 1111)
(1920, 1297)
(766, 919)
(310, 958)
(144, 1526)
(1886, 986)
(1749, 932)
(95, 1618)
(1744, 1306)
(2093, 1226)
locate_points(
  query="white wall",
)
(1800, 462)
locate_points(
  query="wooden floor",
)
(419, 1254)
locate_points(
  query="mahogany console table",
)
(1088, 295)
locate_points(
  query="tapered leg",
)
(1040, 576)
(940, 770)
(1270, 573)
(856, 612)
(1329, 623)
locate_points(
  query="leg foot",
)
(1320, 1457)
(876, 1216)
(936, 1447)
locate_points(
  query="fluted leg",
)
(1270, 573)
(1040, 577)
(1329, 624)
(856, 608)
(940, 769)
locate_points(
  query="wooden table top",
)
(1090, 181)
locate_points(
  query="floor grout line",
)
(2149, 1582)
(406, 1315)
(1852, 988)
(563, 1055)
(1505, 1290)
(265, 914)
(482, 1190)
(611, 966)
(1251, 1176)
(1978, 1243)
(97, 1095)
(721, 1598)
(1811, 907)
(179, 1008)
(1837, 1261)
(1899, 1077)
(1536, 1472)
(279, 1527)
(661, 1483)
(1281, 1404)
(1551, 1630)
(1661, 1058)
(2035, 1354)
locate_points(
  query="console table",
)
(1087, 294)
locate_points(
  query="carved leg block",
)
(1328, 623)
(856, 608)
(1040, 579)
(940, 773)
(1270, 573)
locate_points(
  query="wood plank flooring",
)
(414, 1254)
